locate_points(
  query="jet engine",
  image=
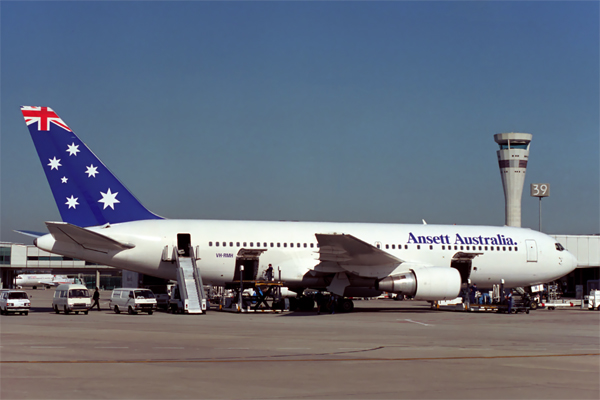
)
(427, 283)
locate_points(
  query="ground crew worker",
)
(96, 299)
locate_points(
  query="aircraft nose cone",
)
(573, 260)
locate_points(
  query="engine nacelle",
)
(428, 283)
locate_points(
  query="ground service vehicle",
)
(14, 301)
(133, 300)
(71, 297)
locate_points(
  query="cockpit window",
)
(559, 247)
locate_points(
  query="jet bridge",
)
(192, 298)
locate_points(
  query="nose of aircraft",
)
(571, 260)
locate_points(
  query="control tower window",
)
(518, 146)
(504, 146)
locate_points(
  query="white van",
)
(133, 300)
(71, 297)
(14, 301)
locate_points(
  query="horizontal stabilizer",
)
(67, 233)
(354, 255)
(31, 233)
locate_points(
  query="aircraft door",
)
(463, 262)
(531, 246)
(183, 243)
(249, 259)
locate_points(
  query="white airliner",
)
(47, 280)
(104, 223)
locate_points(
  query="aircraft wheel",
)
(117, 311)
(130, 311)
(347, 305)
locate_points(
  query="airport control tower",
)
(512, 159)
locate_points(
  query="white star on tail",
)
(54, 164)
(64, 179)
(109, 199)
(91, 171)
(73, 149)
(72, 202)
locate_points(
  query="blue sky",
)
(336, 111)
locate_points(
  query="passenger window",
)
(491, 248)
(503, 248)
(430, 247)
(304, 245)
(387, 246)
(209, 244)
(443, 247)
(455, 247)
(378, 246)
(418, 247)
(272, 244)
(510, 249)
(485, 248)
(230, 244)
(291, 244)
(265, 244)
(217, 244)
(297, 244)
(393, 247)
(461, 247)
(405, 247)
(467, 247)
(480, 248)
(224, 244)
(498, 248)
(237, 244)
(285, 245)
(251, 244)
(311, 245)
(516, 249)
(278, 244)
(244, 244)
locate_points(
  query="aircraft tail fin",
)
(85, 191)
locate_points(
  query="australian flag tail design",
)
(85, 191)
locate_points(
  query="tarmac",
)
(385, 349)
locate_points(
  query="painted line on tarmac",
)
(414, 322)
(47, 347)
(257, 360)
(111, 347)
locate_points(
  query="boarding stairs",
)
(189, 282)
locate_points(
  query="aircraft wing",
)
(65, 232)
(355, 256)
(49, 283)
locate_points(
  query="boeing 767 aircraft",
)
(104, 223)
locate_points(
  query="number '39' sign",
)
(540, 189)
